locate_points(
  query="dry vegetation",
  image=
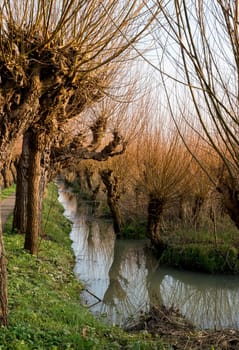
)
(176, 330)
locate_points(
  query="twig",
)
(90, 306)
(95, 296)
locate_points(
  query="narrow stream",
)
(123, 278)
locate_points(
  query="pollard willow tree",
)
(163, 175)
(115, 173)
(117, 122)
(79, 137)
(200, 41)
(55, 57)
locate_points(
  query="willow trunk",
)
(33, 196)
(113, 196)
(3, 283)
(20, 210)
(155, 210)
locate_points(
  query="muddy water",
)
(122, 278)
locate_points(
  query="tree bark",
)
(231, 200)
(196, 208)
(155, 209)
(33, 195)
(20, 210)
(3, 284)
(7, 174)
(37, 161)
(117, 220)
(111, 183)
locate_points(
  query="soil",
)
(174, 329)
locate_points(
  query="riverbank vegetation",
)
(45, 311)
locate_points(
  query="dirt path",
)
(6, 208)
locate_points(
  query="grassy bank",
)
(205, 258)
(44, 296)
(202, 250)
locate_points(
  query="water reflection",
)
(126, 277)
(208, 301)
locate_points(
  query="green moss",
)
(44, 296)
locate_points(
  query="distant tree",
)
(163, 176)
(110, 181)
(117, 173)
(116, 124)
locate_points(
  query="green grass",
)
(6, 192)
(134, 230)
(203, 249)
(206, 258)
(45, 311)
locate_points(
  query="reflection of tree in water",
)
(93, 244)
(115, 289)
(127, 293)
(207, 301)
(155, 277)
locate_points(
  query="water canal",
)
(123, 278)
